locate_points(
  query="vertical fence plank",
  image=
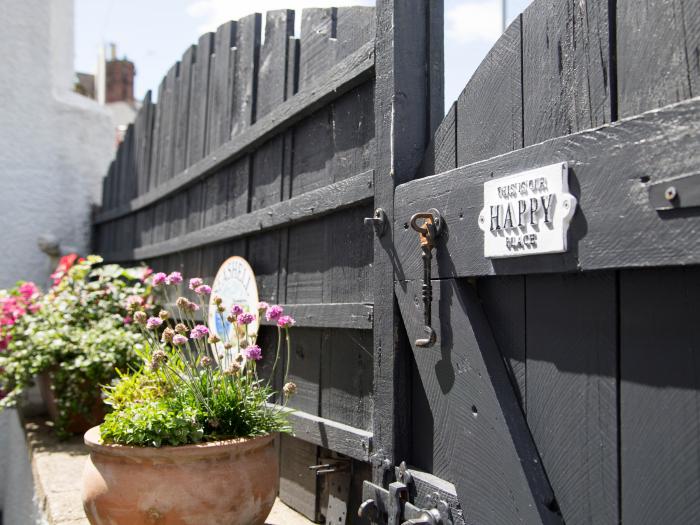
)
(180, 157)
(197, 125)
(220, 88)
(245, 86)
(657, 53)
(168, 106)
(566, 68)
(571, 390)
(156, 138)
(660, 396)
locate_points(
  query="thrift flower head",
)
(236, 309)
(153, 323)
(159, 279)
(286, 321)
(127, 320)
(179, 339)
(174, 278)
(158, 359)
(206, 361)
(195, 282)
(199, 331)
(290, 389)
(164, 315)
(181, 328)
(218, 300)
(203, 290)
(168, 335)
(246, 318)
(253, 352)
(140, 317)
(274, 312)
(262, 306)
(213, 339)
(133, 302)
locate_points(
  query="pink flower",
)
(153, 323)
(274, 312)
(128, 320)
(179, 339)
(236, 309)
(202, 289)
(34, 308)
(286, 321)
(199, 331)
(134, 301)
(159, 279)
(27, 290)
(147, 271)
(245, 318)
(253, 352)
(195, 282)
(174, 278)
(262, 306)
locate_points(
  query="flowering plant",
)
(76, 333)
(196, 383)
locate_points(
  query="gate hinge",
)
(393, 506)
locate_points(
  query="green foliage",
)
(79, 335)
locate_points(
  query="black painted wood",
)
(481, 441)
(197, 123)
(351, 72)
(614, 226)
(659, 395)
(221, 85)
(658, 43)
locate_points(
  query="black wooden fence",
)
(562, 387)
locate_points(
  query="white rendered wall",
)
(55, 145)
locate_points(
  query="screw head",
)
(670, 193)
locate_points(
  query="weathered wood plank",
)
(571, 339)
(353, 442)
(298, 484)
(659, 396)
(566, 68)
(330, 315)
(199, 91)
(353, 71)
(180, 157)
(220, 86)
(246, 73)
(490, 109)
(344, 194)
(168, 105)
(272, 76)
(614, 226)
(481, 440)
(657, 53)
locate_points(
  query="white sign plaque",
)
(527, 213)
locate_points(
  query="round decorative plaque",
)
(235, 284)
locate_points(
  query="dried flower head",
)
(181, 328)
(158, 359)
(206, 361)
(220, 308)
(182, 302)
(218, 300)
(289, 389)
(228, 346)
(213, 339)
(168, 335)
(233, 369)
(231, 318)
(164, 315)
(153, 323)
(140, 317)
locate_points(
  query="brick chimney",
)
(120, 79)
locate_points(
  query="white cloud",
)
(212, 13)
(473, 20)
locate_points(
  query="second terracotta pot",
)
(231, 482)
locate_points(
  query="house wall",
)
(54, 144)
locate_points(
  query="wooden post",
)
(408, 107)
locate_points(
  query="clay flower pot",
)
(231, 482)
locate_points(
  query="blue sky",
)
(155, 33)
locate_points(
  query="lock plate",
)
(393, 506)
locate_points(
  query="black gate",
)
(560, 387)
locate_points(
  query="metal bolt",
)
(670, 193)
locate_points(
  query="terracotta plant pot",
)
(77, 423)
(231, 482)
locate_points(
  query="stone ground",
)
(57, 468)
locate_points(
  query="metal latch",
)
(392, 507)
(429, 227)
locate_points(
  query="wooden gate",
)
(561, 387)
